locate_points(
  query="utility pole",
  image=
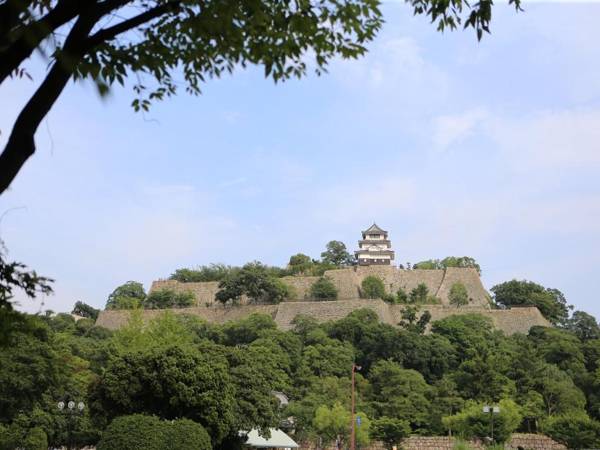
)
(352, 427)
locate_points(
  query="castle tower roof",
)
(374, 248)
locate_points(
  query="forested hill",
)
(221, 377)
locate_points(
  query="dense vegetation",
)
(221, 378)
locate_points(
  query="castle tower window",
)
(374, 248)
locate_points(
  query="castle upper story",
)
(374, 248)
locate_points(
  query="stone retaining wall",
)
(525, 441)
(516, 320)
(348, 282)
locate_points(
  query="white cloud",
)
(562, 139)
(451, 129)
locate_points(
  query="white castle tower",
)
(375, 248)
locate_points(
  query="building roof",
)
(278, 439)
(374, 229)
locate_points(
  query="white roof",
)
(278, 439)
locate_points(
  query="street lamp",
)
(352, 429)
(71, 409)
(491, 410)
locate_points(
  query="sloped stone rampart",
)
(523, 440)
(516, 320)
(532, 442)
(348, 282)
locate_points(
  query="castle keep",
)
(374, 258)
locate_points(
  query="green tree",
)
(389, 431)
(449, 261)
(472, 422)
(168, 298)
(333, 423)
(323, 289)
(184, 434)
(171, 383)
(300, 264)
(85, 310)
(573, 430)
(419, 294)
(584, 326)
(399, 393)
(133, 432)
(551, 302)
(336, 254)
(254, 280)
(372, 287)
(458, 295)
(127, 296)
(413, 321)
(401, 296)
(212, 272)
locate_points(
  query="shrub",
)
(390, 431)
(458, 294)
(575, 430)
(323, 289)
(168, 298)
(255, 280)
(213, 272)
(141, 432)
(134, 432)
(419, 294)
(372, 287)
(472, 422)
(185, 434)
(401, 296)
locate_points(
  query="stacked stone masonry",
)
(348, 282)
(516, 320)
(517, 440)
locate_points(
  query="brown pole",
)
(352, 414)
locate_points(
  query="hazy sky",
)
(487, 149)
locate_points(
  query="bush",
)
(575, 430)
(401, 296)
(390, 431)
(419, 294)
(213, 272)
(127, 296)
(323, 289)
(372, 287)
(168, 298)
(472, 422)
(15, 437)
(258, 282)
(185, 434)
(134, 432)
(458, 294)
(141, 432)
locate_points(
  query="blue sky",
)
(456, 147)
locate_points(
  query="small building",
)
(278, 440)
(374, 248)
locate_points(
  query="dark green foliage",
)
(183, 434)
(420, 294)
(85, 310)
(449, 261)
(584, 326)
(168, 298)
(401, 296)
(212, 272)
(170, 383)
(127, 296)
(256, 281)
(458, 295)
(372, 287)
(248, 329)
(573, 430)
(413, 321)
(337, 254)
(323, 289)
(551, 302)
(13, 275)
(389, 431)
